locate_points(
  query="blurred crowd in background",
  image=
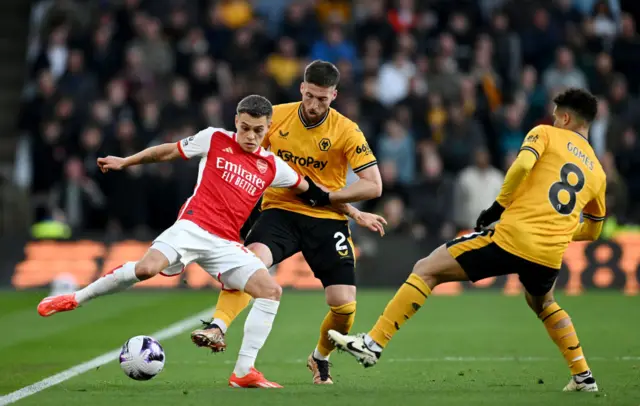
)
(444, 90)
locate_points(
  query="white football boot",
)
(584, 382)
(356, 346)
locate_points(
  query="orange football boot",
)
(254, 379)
(55, 304)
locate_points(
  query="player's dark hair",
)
(580, 101)
(322, 73)
(256, 106)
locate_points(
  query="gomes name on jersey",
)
(309, 161)
(237, 175)
(578, 153)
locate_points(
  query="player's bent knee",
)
(539, 303)
(147, 270)
(262, 286)
(339, 295)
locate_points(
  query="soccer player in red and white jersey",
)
(234, 172)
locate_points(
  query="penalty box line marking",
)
(168, 332)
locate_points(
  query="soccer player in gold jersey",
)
(555, 178)
(320, 144)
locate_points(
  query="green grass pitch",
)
(479, 348)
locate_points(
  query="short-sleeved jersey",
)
(323, 151)
(230, 181)
(566, 180)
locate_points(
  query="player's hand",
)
(371, 221)
(314, 196)
(111, 163)
(489, 216)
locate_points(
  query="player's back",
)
(545, 212)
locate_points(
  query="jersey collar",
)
(581, 136)
(304, 123)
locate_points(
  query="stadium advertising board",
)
(604, 264)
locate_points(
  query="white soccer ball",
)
(142, 358)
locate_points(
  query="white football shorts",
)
(228, 261)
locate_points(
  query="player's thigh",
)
(439, 267)
(178, 245)
(478, 256)
(231, 263)
(276, 231)
(328, 249)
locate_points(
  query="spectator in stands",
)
(284, 65)
(156, 51)
(476, 187)
(430, 83)
(626, 52)
(462, 136)
(397, 146)
(564, 73)
(334, 47)
(394, 79)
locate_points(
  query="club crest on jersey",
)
(324, 144)
(262, 165)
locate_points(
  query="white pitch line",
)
(625, 358)
(166, 333)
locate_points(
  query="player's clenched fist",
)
(113, 163)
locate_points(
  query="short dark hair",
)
(580, 101)
(322, 73)
(256, 106)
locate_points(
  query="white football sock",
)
(120, 279)
(256, 330)
(318, 356)
(221, 324)
(372, 345)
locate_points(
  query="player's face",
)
(251, 131)
(316, 100)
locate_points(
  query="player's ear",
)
(236, 121)
(302, 88)
(335, 94)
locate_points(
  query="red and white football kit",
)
(230, 183)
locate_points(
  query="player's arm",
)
(159, 153)
(533, 147)
(364, 219)
(195, 145)
(364, 164)
(593, 214)
(369, 186)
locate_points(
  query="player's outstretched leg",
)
(118, 279)
(257, 327)
(562, 332)
(437, 268)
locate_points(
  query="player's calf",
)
(562, 331)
